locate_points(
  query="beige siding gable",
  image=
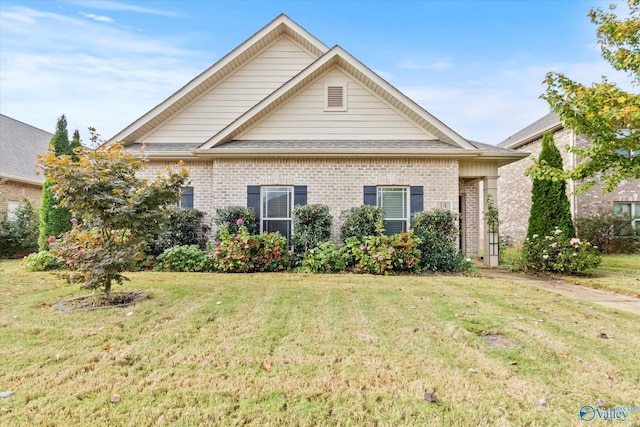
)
(215, 109)
(306, 116)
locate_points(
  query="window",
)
(187, 197)
(397, 203)
(631, 211)
(12, 208)
(625, 152)
(394, 202)
(277, 208)
(335, 97)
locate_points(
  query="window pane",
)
(636, 210)
(394, 227)
(622, 209)
(393, 202)
(281, 226)
(187, 197)
(277, 202)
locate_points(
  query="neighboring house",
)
(514, 188)
(20, 145)
(284, 120)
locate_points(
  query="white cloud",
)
(99, 18)
(96, 75)
(122, 7)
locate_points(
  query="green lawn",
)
(287, 349)
(618, 273)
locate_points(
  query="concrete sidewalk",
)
(575, 292)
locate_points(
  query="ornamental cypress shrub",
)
(550, 207)
(54, 220)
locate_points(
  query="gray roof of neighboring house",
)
(532, 132)
(20, 145)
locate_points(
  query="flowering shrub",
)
(231, 215)
(188, 258)
(382, 254)
(42, 261)
(324, 258)
(559, 254)
(246, 253)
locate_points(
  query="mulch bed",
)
(98, 301)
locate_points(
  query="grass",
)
(618, 273)
(287, 349)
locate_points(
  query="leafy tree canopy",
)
(119, 210)
(606, 114)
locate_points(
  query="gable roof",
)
(227, 141)
(217, 72)
(340, 57)
(532, 132)
(20, 145)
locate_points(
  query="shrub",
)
(437, 232)
(184, 227)
(559, 254)
(42, 261)
(324, 258)
(311, 226)
(550, 207)
(361, 221)
(185, 258)
(382, 254)
(609, 232)
(19, 235)
(229, 216)
(246, 253)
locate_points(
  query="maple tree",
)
(608, 115)
(119, 210)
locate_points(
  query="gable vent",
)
(335, 97)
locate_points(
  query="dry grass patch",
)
(286, 349)
(618, 273)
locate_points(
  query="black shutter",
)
(300, 195)
(370, 195)
(187, 197)
(253, 199)
(416, 198)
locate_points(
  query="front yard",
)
(292, 349)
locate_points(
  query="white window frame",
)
(344, 97)
(264, 191)
(12, 209)
(634, 212)
(380, 190)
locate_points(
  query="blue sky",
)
(476, 65)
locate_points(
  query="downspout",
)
(573, 201)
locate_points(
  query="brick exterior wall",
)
(337, 183)
(514, 189)
(471, 226)
(15, 191)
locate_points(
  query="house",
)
(514, 188)
(283, 119)
(20, 145)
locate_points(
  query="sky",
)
(477, 66)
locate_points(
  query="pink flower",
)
(51, 239)
(240, 221)
(574, 241)
(74, 220)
